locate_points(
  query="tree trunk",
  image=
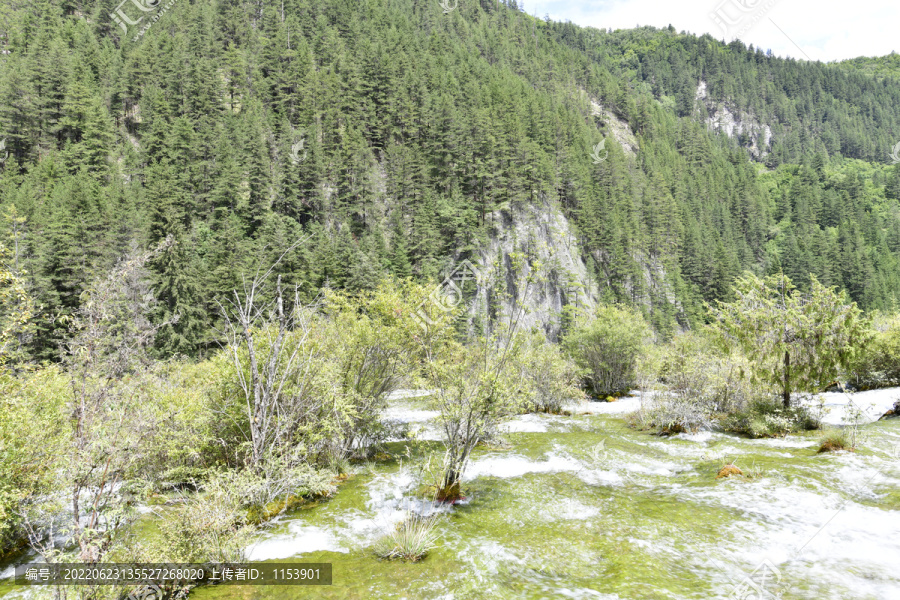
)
(786, 394)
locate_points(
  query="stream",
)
(582, 506)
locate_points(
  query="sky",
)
(825, 30)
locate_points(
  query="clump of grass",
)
(755, 471)
(410, 540)
(836, 440)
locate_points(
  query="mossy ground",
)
(656, 531)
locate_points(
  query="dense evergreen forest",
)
(880, 66)
(393, 133)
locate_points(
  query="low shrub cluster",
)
(606, 346)
(770, 418)
(837, 440)
(551, 377)
(692, 382)
(773, 339)
(878, 365)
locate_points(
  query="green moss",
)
(540, 532)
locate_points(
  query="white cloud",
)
(824, 30)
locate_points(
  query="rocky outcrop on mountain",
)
(724, 117)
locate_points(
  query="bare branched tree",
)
(105, 360)
(268, 344)
(476, 386)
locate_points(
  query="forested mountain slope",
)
(811, 107)
(397, 135)
(881, 67)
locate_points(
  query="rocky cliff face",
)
(725, 118)
(619, 128)
(531, 269)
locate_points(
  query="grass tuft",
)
(410, 540)
(835, 441)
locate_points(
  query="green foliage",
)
(188, 422)
(881, 67)
(550, 377)
(836, 440)
(179, 303)
(770, 418)
(795, 341)
(108, 364)
(416, 148)
(376, 347)
(420, 140)
(307, 417)
(209, 527)
(32, 436)
(607, 347)
(477, 387)
(694, 369)
(692, 381)
(218, 523)
(16, 307)
(326, 378)
(879, 363)
(776, 91)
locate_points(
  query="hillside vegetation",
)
(411, 131)
(221, 237)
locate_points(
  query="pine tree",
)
(184, 323)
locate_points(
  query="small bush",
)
(769, 418)
(694, 382)
(410, 540)
(668, 414)
(181, 477)
(272, 489)
(208, 527)
(879, 364)
(607, 348)
(33, 412)
(550, 378)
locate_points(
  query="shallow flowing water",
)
(583, 507)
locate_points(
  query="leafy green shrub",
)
(217, 523)
(692, 382)
(694, 369)
(550, 377)
(796, 342)
(666, 415)
(32, 433)
(211, 526)
(376, 349)
(607, 348)
(879, 364)
(269, 490)
(185, 431)
(770, 418)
